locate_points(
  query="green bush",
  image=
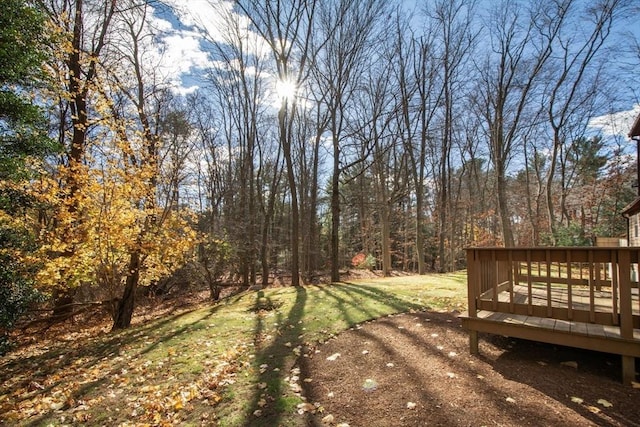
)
(17, 287)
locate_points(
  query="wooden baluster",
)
(548, 261)
(529, 285)
(592, 296)
(614, 287)
(494, 280)
(511, 284)
(569, 289)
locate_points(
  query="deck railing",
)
(585, 286)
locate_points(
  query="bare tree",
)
(573, 90)
(344, 38)
(377, 115)
(521, 45)
(286, 27)
(453, 22)
(417, 76)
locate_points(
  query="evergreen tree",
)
(23, 140)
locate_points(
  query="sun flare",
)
(286, 90)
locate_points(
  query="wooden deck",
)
(578, 297)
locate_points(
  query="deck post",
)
(473, 276)
(473, 282)
(473, 342)
(628, 369)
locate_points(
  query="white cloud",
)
(616, 124)
(184, 90)
(183, 52)
(207, 15)
(174, 53)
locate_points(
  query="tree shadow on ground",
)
(270, 399)
(422, 360)
(406, 365)
(283, 362)
(381, 296)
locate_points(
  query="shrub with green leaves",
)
(17, 271)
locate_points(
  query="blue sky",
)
(186, 55)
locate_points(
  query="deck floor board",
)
(556, 325)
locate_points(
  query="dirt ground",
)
(415, 370)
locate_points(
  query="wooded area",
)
(323, 135)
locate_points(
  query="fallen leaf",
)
(257, 413)
(511, 400)
(56, 405)
(262, 403)
(306, 407)
(575, 399)
(33, 385)
(411, 405)
(593, 409)
(605, 403)
(333, 357)
(570, 364)
(328, 419)
(369, 385)
(262, 386)
(480, 377)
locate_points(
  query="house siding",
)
(634, 230)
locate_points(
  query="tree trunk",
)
(386, 239)
(285, 141)
(505, 216)
(268, 218)
(335, 214)
(126, 305)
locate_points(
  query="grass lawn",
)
(234, 363)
